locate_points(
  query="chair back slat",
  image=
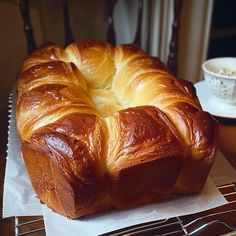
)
(138, 35)
(172, 62)
(24, 10)
(67, 28)
(111, 36)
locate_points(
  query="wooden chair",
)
(172, 61)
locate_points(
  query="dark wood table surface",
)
(227, 142)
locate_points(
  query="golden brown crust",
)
(46, 53)
(103, 126)
(95, 60)
(71, 151)
(146, 149)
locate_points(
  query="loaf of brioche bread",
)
(109, 127)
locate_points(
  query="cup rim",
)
(214, 73)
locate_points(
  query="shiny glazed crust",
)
(103, 126)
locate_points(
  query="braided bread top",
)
(123, 106)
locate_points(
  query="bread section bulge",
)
(103, 127)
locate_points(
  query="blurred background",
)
(207, 28)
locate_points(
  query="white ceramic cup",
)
(220, 74)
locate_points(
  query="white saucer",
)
(213, 105)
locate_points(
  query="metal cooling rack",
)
(29, 226)
(217, 221)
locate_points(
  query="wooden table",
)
(227, 143)
(227, 140)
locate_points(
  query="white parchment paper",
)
(222, 172)
(94, 225)
(20, 200)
